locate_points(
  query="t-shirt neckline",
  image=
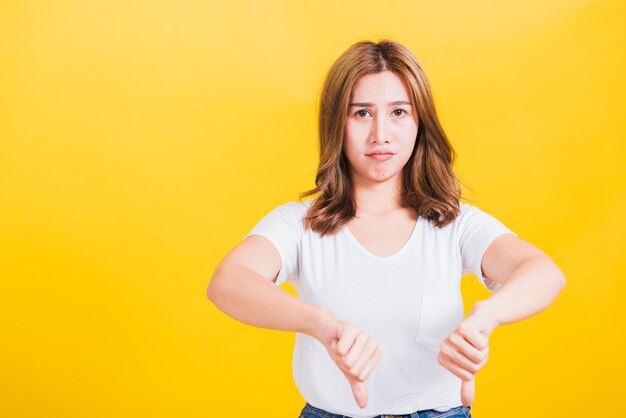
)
(365, 251)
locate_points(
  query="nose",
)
(379, 126)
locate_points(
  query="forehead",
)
(385, 85)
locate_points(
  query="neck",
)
(378, 198)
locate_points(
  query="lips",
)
(380, 152)
(380, 156)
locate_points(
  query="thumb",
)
(467, 391)
(358, 388)
(359, 391)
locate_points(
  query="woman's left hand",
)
(465, 351)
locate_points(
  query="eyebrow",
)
(397, 102)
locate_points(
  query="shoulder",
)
(290, 213)
(472, 219)
(468, 212)
(466, 208)
(293, 208)
(473, 222)
(465, 212)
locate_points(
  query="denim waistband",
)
(459, 411)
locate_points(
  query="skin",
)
(531, 280)
(242, 286)
(393, 127)
(380, 116)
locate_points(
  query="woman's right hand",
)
(355, 353)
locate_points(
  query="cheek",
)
(358, 130)
(349, 132)
(350, 149)
(407, 148)
(411, 139)
(351, 139)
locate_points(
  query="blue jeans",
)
(309, 411)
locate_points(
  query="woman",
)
(377, 256)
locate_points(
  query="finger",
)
(478, 340)
(346, 339)
(359, 392)
(366, 353)
(369, 367)
(354, 353)
(468, 349)
(460, 359)
(458, 371)
(467, 392)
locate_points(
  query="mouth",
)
(381, 156)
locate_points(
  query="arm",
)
(243, 287)
(531, 280)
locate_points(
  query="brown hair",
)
(429, 184)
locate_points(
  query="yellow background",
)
(141, 140)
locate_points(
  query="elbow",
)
(210, 291)
(213, 289)
(559, 278)
(563, 281)
(553, 277)
(554, 272)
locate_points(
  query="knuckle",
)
(356, 372)
(467, 376)
(444, 349)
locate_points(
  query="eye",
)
(359, 112)
(401, 112)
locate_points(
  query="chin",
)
(376, 175)
(379, 177)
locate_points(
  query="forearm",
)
(530, 289)
(255, 300)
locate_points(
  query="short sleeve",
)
(476, 231)
(282, 227)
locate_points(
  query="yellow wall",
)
(141, 140)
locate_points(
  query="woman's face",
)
(380, 119)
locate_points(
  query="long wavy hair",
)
(429, 185)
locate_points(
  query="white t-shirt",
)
(409, 302)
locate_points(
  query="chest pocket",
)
(439, 317)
